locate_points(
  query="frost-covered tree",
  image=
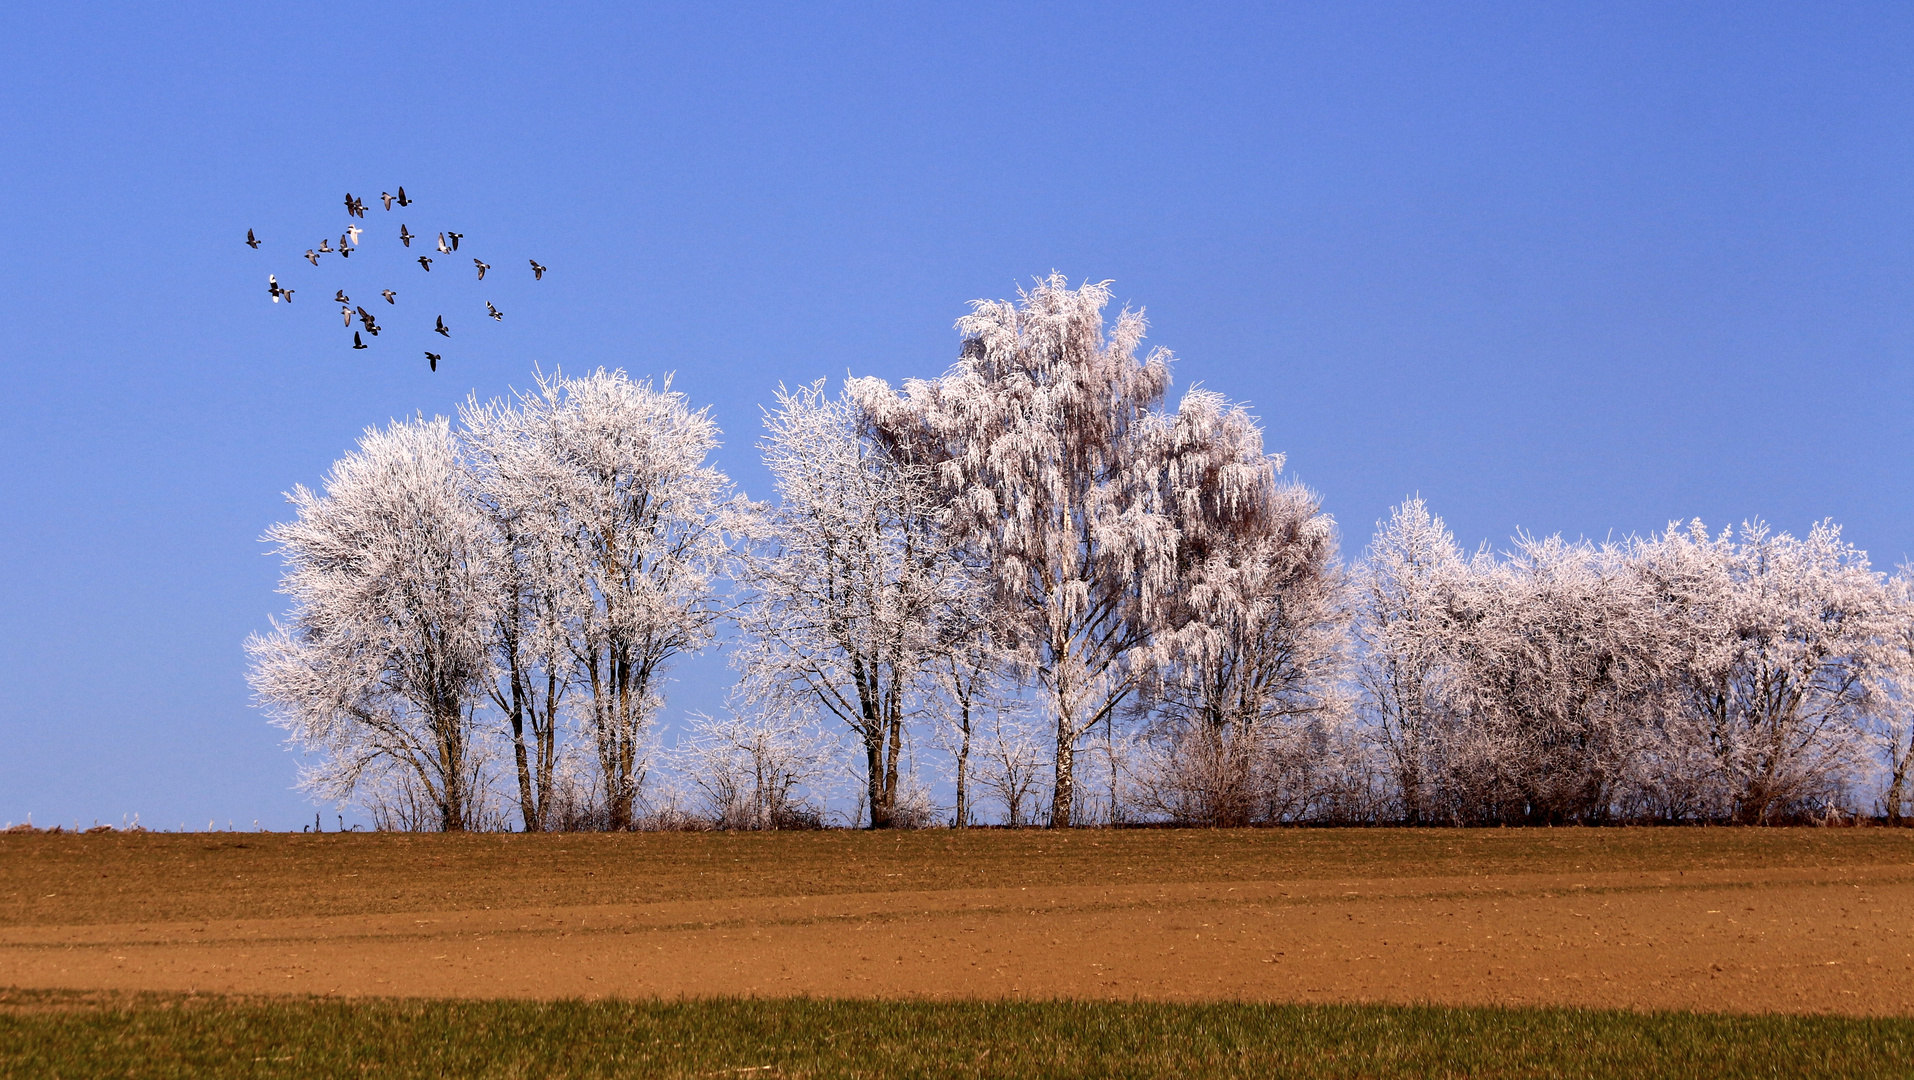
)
(1684, 676)
(757, 772)
(1401, 588)
(1242, 710)
(1047, 442)
(607, 481)
(382, 660)
(1891, 696)
(532, 670)
(1556, 653)
(1011, 765)
(1775, 639)
(850, 586)
(969, 679)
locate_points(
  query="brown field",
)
(1776, 920)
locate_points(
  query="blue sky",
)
(1555, 267)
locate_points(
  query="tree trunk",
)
(963, 773)
(1063, 794)
(874, 771)
(527, 807)
(452, 789)
(1896, 794)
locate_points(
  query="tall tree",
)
(1891, 695)
(1255, 669)
(1401, 586)
(1777, 640)
(381, 662)
(533, 666)
(1062, 477)
(607, 478)
(849, 584)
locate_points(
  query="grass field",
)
(1566, 952)
(73, 1036)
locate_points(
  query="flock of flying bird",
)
(349, 240)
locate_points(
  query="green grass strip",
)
(49, 1034)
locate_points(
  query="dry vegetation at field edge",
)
(68, 879)
(1710, 919)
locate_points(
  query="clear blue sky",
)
(1566, 268)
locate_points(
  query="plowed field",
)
(1708, 919)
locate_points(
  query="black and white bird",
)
(325, 247)
(341, 297)
(482, 268)
(272, 286)
(404, 237)
(356, 343)
(443, 250)
(441, 329)
(494, 312)
(425, 262)
(312, 256)
(455, 239)
(401, 199)
(354, 232)
(389, 294)
(345, 314)
(435, 358)
(538, 272)
(250, 242)
(344, 251)
(386, 198)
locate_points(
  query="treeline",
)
(1029, 591)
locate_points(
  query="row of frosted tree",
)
(1029, 591)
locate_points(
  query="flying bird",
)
(435, 358)
(455, 239)
(386, 197)
(356, 343)
(355, 232)
(443, 250)
(495, 313)
(287, 293)
(250, 242)
(272, 286)
(404, 237)
(538, 272)
(349, 202)
(440, 329)
(345, 313)
(341, 297)
(389, 294)
(313, 256)
(325, 247)
(344, 251)
(482, 268)
(425, 262)
(402, 200)
(366, 318)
